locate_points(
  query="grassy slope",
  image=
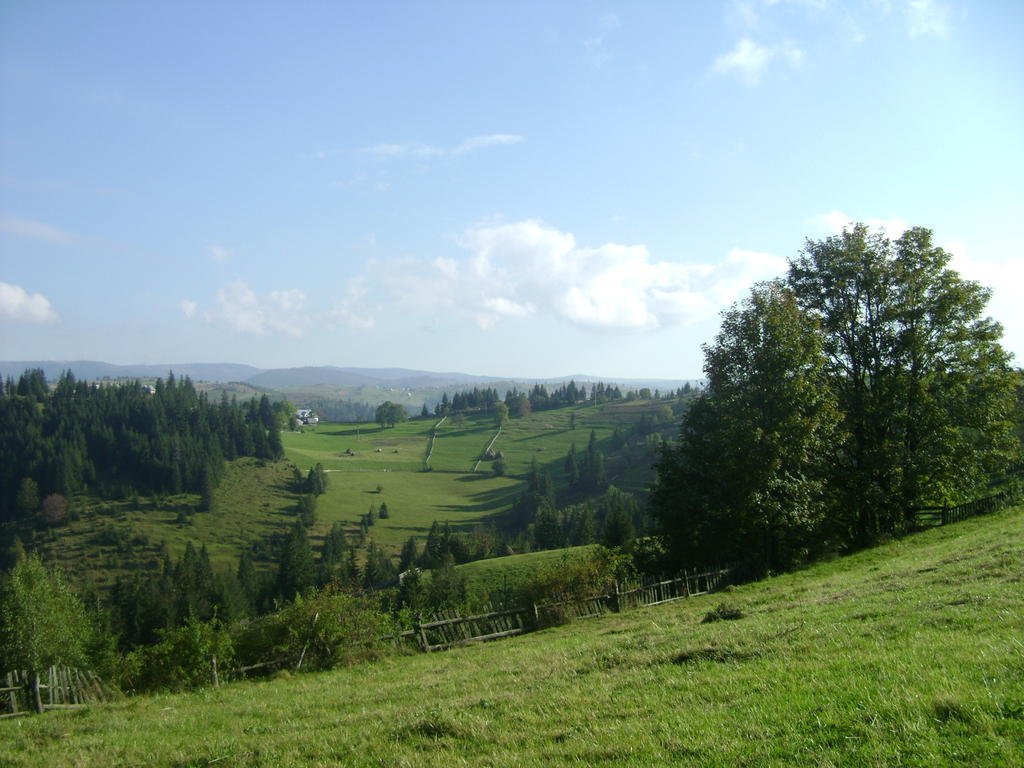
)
(452, 492)
(909, 654)
(252, 502)
(496, 574)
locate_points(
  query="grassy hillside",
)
(113, 537)
(362, 456)
(910, 654)
(255, 500)
(502, 574)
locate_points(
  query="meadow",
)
(256, 499)
(909, 654)
(459, 489)
(111, 538)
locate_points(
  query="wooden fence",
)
(928, 517)
(446, 630)
(25, 692)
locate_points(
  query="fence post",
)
(216, 682)
(418, 626)
(33, 682)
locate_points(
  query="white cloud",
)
(417, 149)
(34, 230)
(835, 222)
(290, 301)
(239, 308)
(219, 253)
(19, 305)
(526, 268)
(748, 61)
(1001, 277)
(350, 311)
(927, 18)
(188, 308)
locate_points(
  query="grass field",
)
(414, 501)
(910, 654)
(451, 492)
(255, 500)
(501, 575)
(116, 537)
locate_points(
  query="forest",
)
(121, 440)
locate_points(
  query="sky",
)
(509, 189)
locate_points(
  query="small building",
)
(307, 416)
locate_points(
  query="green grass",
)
(451, 491)
(414, 501)
(254, 499)
(910, 654)
(399, 448)
(252, 502)
(502, 574)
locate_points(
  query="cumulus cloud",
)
(350, 310)
(748, 61)
(239, 308)
(927, 18)
(418, 149)
(19, 305)
(1001, 276)
(527, 268)
(219, 253)
(835, 222)
(188, 308)
(34, 230)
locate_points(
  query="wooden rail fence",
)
(25, 692)
(928, 517)
(445, 630)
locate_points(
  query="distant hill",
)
(91, 369)
(308, 376)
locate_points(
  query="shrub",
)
(722, 612)
(183, 658)
(333, 627)
(577, 578)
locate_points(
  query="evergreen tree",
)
(296, 571)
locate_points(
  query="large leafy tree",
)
(743, 483)
(41, 621)
(917, 369)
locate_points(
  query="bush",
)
(577, 578)
(722, 612)
(333, 627)
(183, 658)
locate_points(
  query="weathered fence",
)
(25, 692)
(445, 630)
(928, 517)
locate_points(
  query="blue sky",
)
(522, 189)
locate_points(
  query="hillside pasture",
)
(112, 538)
(415, 501)
(397, 449)
(498, 575)
(908, 654)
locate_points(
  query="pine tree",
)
(296, 572)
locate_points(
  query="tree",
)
(54, 509)
(500, 414)
(27, 501)
(388, 414)
(743, 482)
(296, 571)
(920, 377)
(41, 621)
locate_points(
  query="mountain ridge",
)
(305, 376)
